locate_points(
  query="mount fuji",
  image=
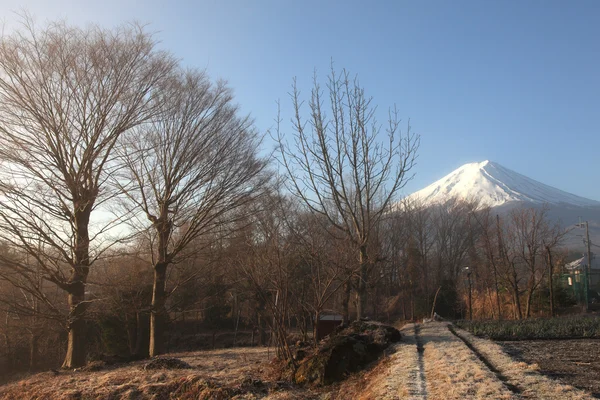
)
(495, 185)
(503, 189)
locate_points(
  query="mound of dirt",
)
(347, 350)
(166, 363)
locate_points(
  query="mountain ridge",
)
(495, 185)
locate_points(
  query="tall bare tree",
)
(343, 167)
(534, 237)
(193, 172)
(66, 95)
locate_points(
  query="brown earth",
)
(572, 361)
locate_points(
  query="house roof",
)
(332, 317)
(581, 263)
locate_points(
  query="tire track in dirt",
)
(421, 387)
(403, 376)
(453, 371)
(516, 375)
(410, 380)
(505, 381)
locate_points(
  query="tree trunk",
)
(361, 303)
(261, 330)
(316, 331)
(142, 341)
(131, 327)
(33, 351)
(491, 303)
(346, 301)
(158, 316)
(76, 345)
(305, 329)
(412, 303)
(497, 289)
(530, 292)
(517, 302)
(515, 290)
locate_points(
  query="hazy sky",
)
(516, 82)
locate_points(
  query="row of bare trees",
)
(133, 192)
(94, 121)
(508, 259)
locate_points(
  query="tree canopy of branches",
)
(343, 167)
(66, 96)
(193, 170)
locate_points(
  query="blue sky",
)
(516, 82)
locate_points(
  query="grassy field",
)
(539, 328)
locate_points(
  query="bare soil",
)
(572, 361)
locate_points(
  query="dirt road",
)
(437, 361)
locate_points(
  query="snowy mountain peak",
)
(494, 185)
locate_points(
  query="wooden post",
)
(434, 301)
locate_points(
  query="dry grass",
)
(240, 373)
(453, 371)
(523, 375)
(450, 368)
(392, 378)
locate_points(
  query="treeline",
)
(135, 206)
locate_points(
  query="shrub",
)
(540, 328)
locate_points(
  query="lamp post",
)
(470, 294)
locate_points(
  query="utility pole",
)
(550, 282)
(588, 249)
(470, 294)
(588, 246)
(589, 254)
(470, 297)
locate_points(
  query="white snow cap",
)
(494, 185)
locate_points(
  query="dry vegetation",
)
(395, 376)
(576, 362)
(446, 369)
(569, 327)
(241, 373)
(521, 374)
(453, 371)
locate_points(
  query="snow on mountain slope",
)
(495, 185)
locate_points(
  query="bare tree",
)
(489, 243)
(343, 167)
(268, 265)
(193, 172)
(66, 95)
(324, 266)
(534, 238)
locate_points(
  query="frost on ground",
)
(397, 375)
(525, 376)
(445, 368)
(453, 371)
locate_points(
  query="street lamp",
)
(470, 294)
